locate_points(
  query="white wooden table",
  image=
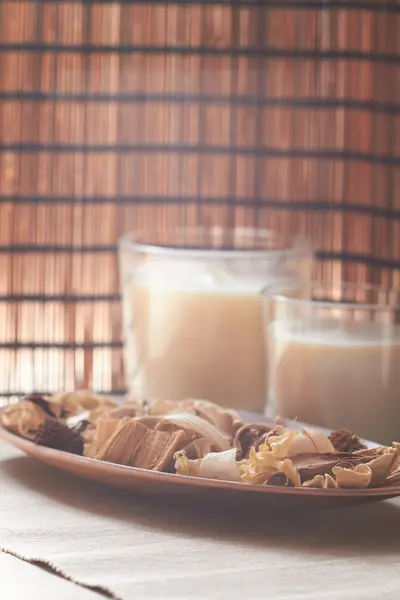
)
(143, 548)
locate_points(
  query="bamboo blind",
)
(123, 115)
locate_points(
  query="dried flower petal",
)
(316, 482)
(319, 439)
(185, 466)
(321, 481)
(227, 421)
(199, 447)
(286, 467)
(215, 465)
(279, 445)
(310, 441)
(23, 418)
(392, 480)
(356, 477)
(329, 482)
(382, 465)
(129, 409)
(79, 401)
(194, 424)
(260, 465)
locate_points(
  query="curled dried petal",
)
(315, 482)
(261, 464)
(383, 465)
(329, 482)
(227, 421)
(220, 465)
(356, 477)
(321, 481)
(320, 440)
(279, 445)
(214, 465)
(286, 467)
(23, 418)
(201, 427)
(185, 466)
(129, 409)
(393, 480)
(310, 441)
(81, 400)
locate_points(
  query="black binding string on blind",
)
(39, 159)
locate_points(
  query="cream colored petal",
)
(320, 441)
(214, 465)
(227, 421)
(383, 465)
(286, 467)
(256, 469)
(329, 482)
(310, 440)
(249, 475)
(78, 401)
(163, 407)
(185, 466)
(129, 409)
(396, 446)
(356, 477)
(220, 465)
(280, 445)
(321, 482)
(23, 418)
(316, 482)
(260, 465)
(301, 445)
(199, 426)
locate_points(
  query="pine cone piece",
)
(346, 441)
(59, 436)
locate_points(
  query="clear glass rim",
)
(386, 291)
(292, 245)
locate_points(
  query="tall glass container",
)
(192, 310)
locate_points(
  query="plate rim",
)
(98, 466)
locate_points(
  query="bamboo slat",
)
(123, 115)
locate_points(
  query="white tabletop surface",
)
(144, 548)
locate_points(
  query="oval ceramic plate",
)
(198, 490)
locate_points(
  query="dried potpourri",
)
(201, 439)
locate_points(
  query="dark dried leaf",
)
(310, 465)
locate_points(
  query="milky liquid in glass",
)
(197, 336)
(338, 378)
